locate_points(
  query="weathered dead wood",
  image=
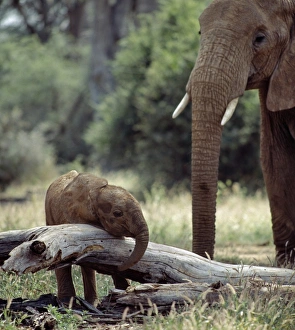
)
(175, 277)
(11, 239)
(150, 299)
(48, 247)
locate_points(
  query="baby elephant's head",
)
(120, 214)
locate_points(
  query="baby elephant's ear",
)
(96, 185)
(78, 196)
(96, 182)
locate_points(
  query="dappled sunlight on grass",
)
(244, 230)
(243, 225)
(169, 217)
(243, 220)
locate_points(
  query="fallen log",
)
(172, 277)
(54, 246)
(11, 239)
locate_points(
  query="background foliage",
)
(151, 71)
(135, 124)
(45, 98)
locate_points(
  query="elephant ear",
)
(77, 197)
(281, 91)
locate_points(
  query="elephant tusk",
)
(229, 111)
(183, 103)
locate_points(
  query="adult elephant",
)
(245, 44)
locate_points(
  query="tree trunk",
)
(111, 20)
(31, 250)
(75, 15)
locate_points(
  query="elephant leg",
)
(65, 284)
(89, 282)
(278, 164)
(120, 282)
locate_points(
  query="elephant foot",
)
(94, 301)
(120, 282)
(67, 301)
(286, 258)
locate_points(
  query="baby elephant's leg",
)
(89, 282)
(120, 282)
(65, 284)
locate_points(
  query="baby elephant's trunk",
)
(141, 235)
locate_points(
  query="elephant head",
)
(245, 44)
(86, 198)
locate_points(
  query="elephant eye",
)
(259, 39)
(118, 213)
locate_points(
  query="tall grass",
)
(243, 234)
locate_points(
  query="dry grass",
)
(244, 230)
(23, 215)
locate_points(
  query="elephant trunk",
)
(213, 84)
(206, 137)
(141, 234)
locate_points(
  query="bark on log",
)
(48, 247)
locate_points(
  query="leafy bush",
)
(133, 126)
(46, 82)
(24, 156)
(39, 79)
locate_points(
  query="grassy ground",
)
(243, 235)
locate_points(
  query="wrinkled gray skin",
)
(85, 198)
(245, 44)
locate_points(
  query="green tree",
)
(46, 81)
(133, 126)
(42, 17)
(52, 83)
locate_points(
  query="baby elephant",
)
(85, 198)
